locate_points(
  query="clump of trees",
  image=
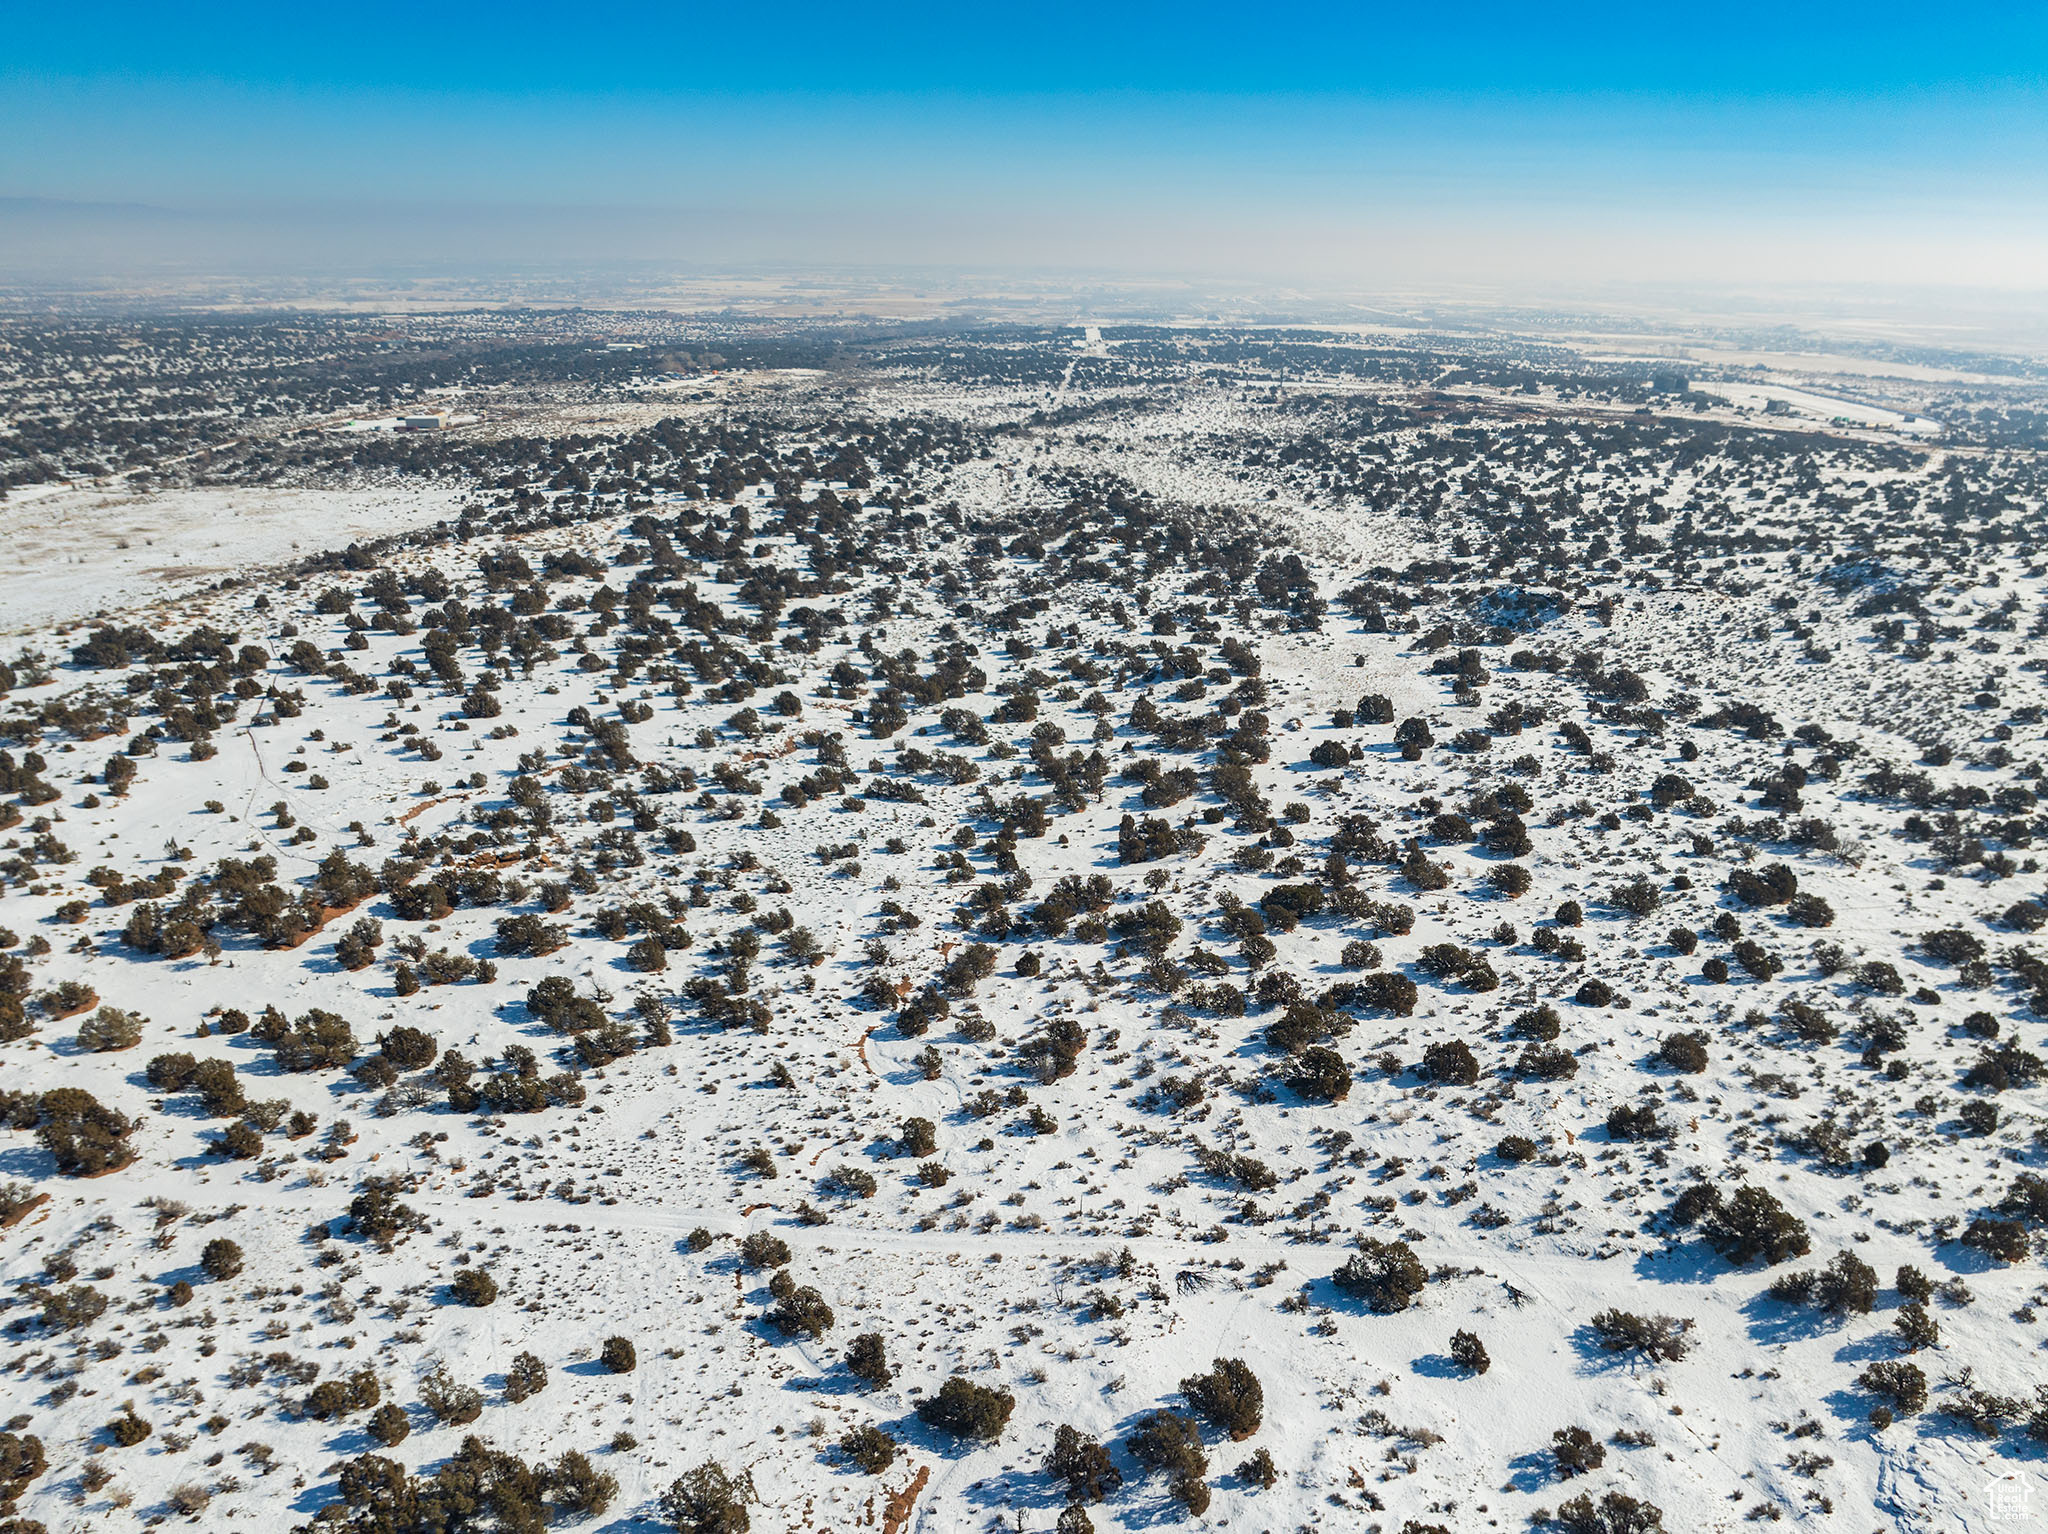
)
(1662, 1339)
(1847, 1285)
(477, 1487)
(83, 1135)
(1743, 1226)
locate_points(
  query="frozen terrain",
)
(1340, 933)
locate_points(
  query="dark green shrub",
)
(221, 1259)
(85, 1137)
(576, 1488)
(1386, 1275)
(1916, 1328)
(1229, 1397)
(1741, 1228)
(968, 1410)
(1615, 1513)
(1320, 1075)
(21, 1461)
(1451, 1062)
(762, 1249)
(867, 1360)
(618, 1356)
(410, 1049)
(1902, 1385)
(2004, 1240)
(1171, 1444)
(1685, 1052)
(453, 1404)
(708, 1500)
(526, 1377)
(1469, 1353)
(1848, 1284)
(343, 1394)
(1576, 1451)
(868, 1448)
(1259, 1471)
(1083, 1464)
(1665, 1339)
(802, 1312)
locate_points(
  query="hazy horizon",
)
(1519, 154)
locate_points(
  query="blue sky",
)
(1367, 142)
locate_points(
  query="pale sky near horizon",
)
(1355, 144)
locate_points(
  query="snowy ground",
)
(73, 551)
(1084, 1249)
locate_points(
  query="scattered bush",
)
(763, 1249)
(1171, 1444)
(1576, 1451)
(1083, 1464)
(221, 1259)
(1229, 1398)
(1386, 1275)
(618, 1356)
(1469, 1353)
(868, 1448)
(867, 1360)
(1615, 1513)
(1665, 1339)
(526, 1377)
(708, 1500)
(967, 1410)
(110, 1029)
(1899, 1383)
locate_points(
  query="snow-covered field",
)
(931, 874)
(73, 551)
